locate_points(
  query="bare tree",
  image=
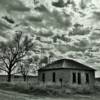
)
(25, 68)
(13, 51)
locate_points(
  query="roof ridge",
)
(79, 64)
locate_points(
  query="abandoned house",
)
(67, 72)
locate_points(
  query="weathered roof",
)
(66, 64)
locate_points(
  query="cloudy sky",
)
(65, 30)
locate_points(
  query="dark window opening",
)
(43, 77)
(87, 78)
(61, 80)
(79, 78)
(54, 77)
(74, 77)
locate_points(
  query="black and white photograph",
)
(49, 49)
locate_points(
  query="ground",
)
(23, 91)
(6, 95)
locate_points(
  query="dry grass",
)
(40, 92)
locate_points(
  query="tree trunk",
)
(9, 77)
(24, 76)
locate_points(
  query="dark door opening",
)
(87, 78)
(43, 77)
(53, 77)
(61, 80)
(79, 78)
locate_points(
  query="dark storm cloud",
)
(3, 34)
(63, 19)
(62, 48)
(13, 5)
(83, 43)
(9, 20)
(80, 46)
(61, 37)
(96, 43)
(45, 34)
(30, 21)
(92, 60)
(83, 4)
(20, 8)
(75, 55)
(55, 18)
(95, 35)
(79, 30)
(75, 48)
(41, 8)
(34, 18)
(4, 26)
(77, 45)
(47, 17)
(96, 15)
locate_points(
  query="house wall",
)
(60, 74)
(83, 78)
(67, 77)
(91, 74)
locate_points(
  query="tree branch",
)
(3, 69)
(3, 59)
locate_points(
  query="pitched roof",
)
(66, 64)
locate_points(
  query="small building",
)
(67, 72)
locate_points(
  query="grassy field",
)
(6, 95)
(23, 92)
